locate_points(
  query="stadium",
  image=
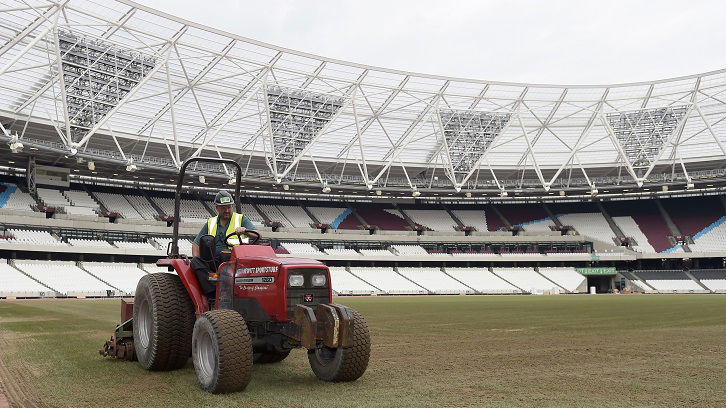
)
(422, 194)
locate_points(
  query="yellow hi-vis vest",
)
(234, 222)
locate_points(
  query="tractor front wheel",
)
(222, 351)
(343, 364)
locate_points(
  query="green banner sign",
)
(603, 270)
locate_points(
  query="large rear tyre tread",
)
(344, 364)
(171, 315)
(229, 365)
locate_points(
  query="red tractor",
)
(265, 306)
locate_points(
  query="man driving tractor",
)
(210, 248)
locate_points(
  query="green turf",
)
(533, 351)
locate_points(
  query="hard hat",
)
(223, 198)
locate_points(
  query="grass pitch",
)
(617, 351)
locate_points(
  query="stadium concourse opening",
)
(602, 279)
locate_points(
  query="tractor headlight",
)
(319, 280)
(296, 280)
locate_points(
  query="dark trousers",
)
(203, 268)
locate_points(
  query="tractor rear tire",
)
(269, 357)
(163, 322)
(222, 351)
(343, 364)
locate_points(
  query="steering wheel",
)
(253, 235)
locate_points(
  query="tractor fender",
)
(189, 279)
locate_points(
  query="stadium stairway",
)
(454, 217)
(351, 272)
(414, 282)
(310, 214)
(491, 270)
(11, 262)
(501, 217)
(643, 281)
(669, 221)
(474, 290)
(698, 281)
(613, 226)
(80, 266)
(552, 215)
(536, 269)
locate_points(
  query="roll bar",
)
(173, 251)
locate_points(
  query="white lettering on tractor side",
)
(257, 270)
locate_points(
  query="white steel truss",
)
(125, 82)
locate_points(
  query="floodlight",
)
(91, 165)
(326, 189)
(202, 180)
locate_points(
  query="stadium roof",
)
(117, 82)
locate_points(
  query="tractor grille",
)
(298, 295)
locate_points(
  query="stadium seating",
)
(692, 215)
(389, 220)
(153, 268)
(567, 277)
(14, 283)
(592, 225)
(482, 280)
(437, 220)
(65, 277)
(341, 251)
(387, 280)
(647, 216)
(133, 245)
(522, 214)
(296, 216)
(327, 215)
(525, 278)
(118, 204)
(251, 213)
(89, 243)
(637, 282)
(189, 210)
(410, 250)
(143, 207)
(185, 245)
(15, 199)
(52, 198)
(80, 198)
(630, 229)
(711, 239)
(471, 218)
(712, 279)
(542, 225)
(434, 280)
(123, 276)
(32, 237)
(376, 252)
(274, 214)
(670, 281)
(344, 283)
(300, 248)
